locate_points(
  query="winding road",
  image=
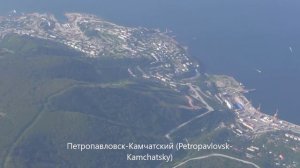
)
(217, 155)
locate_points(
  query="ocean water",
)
(232, 37)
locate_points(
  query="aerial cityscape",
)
(167, 65)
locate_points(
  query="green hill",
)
(51, 96)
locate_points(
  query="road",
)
(168, 135)
(217, 155)
(197, 96)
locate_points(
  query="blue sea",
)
(256, 41)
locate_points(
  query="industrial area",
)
(231, 93)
